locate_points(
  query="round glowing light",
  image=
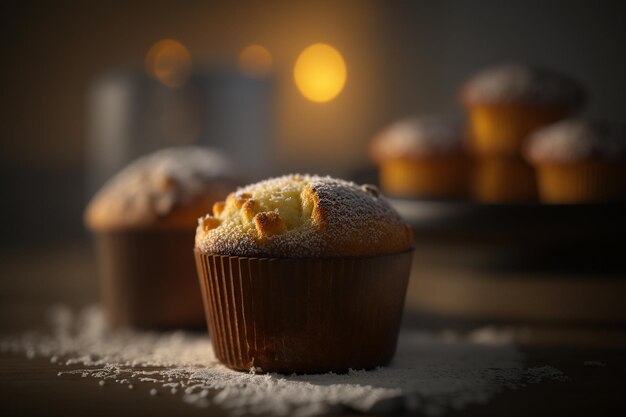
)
(169, 62)
(320, 72)
(255, 61)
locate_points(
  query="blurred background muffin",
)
(143, 221)
(502, 179)
(504, 104)
(422, 157)
(579, 161)
(507, 102)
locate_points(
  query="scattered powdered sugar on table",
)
(595, 363)
(431, 373)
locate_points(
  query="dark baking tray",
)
(577, 237)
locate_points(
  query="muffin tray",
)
(516, 223)
(572, 239)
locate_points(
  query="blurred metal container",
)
(131, 114)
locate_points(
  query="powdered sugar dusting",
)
(156, 183)
(356, 220)
(577, 139)
(516, 83)
(431, 374)
(418, 136)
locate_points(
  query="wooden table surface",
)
(32, 279)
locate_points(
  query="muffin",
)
(579, 161)
(506, 103)
(421, 157)
(503, 179)
(303, 274)
(143, 221)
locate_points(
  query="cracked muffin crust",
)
(303, 216)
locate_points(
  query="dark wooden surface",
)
(32, 387)
(33, 278)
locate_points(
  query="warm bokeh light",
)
(255, 61)
(169, 62)
(320, 72)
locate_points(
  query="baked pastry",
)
(503, 179)
(167, 189)
(301, 216)
(303, 274)
(506, 103)
(422, 157)
(579, 161)
(143, 220)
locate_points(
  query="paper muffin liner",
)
(582, 182)
(502, 129)
(292, 315)
(148, 278)
(437, 176)
(498, 179)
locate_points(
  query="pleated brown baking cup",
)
(499, 179)
(437, 176)
(500, 130)
(290, 315)
(148, 278)
(582, 182)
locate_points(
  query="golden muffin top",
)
(417, 136)
(169, 188)
(522, 84)
(303, 216)
(574, 140)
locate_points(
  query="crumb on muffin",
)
(303, 216)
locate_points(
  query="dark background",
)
(402, 58)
